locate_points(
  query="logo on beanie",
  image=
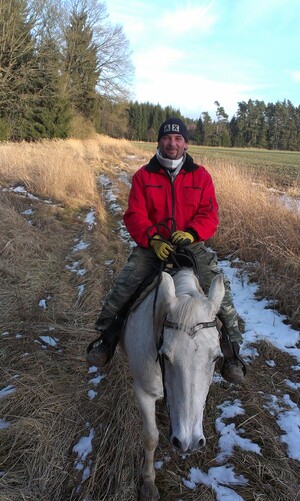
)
(175, 128)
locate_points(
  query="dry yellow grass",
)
(63, 170)
(257, 227)
(50, 408)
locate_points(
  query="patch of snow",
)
(92, 394)
(291, 384)
(51, 341)
(90, 219)
(27, 212)
(109, 262)
(218, 478)
(83, 448)
(80, 246)
(261, 322)
(271, 363)
(43, 304)
(92, 369)
(289, 422)
(104, 180)
(230, 436)
(4, 424)
(80, 289)
(124, 178)
(8, 390)
(96, 380)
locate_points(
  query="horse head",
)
(189, 349)
(183, 332)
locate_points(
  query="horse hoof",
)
(149, 492)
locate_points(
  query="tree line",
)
(254, 125)
(66, 70)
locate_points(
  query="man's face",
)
(172, 146)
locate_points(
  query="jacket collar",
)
(188, 166)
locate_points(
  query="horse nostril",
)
(201, 443)
(176, 442)
(189, 448)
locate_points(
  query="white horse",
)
(185, 336)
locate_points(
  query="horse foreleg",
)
(146, 403)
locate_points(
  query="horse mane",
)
(188, 297)
(186, 282)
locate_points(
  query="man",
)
(170, 188)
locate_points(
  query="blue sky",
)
(189, 54)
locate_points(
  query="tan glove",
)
(179, 236)
(162, 249)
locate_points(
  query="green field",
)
(279, 168)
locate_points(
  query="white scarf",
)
(173, 166)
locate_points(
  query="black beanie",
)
(173, 126)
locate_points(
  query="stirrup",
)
(244, 366)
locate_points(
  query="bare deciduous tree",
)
(114, 64)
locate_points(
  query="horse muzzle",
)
(186, 445)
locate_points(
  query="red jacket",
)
(190, 200)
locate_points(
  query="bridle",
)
(192, 331)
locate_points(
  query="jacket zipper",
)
(173, 202)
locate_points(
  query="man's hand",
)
(161, 248)
(182, 237)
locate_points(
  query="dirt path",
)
(68, 433)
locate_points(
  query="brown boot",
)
(233, 368)
(101, 351)
(232, 371)
(100, 354)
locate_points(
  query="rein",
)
(176, 259)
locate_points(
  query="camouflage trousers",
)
(142, 262)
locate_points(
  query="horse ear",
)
(167, 287)
(166, 294)
(216, 291)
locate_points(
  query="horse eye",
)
(164, 356)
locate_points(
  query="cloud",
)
(192, 94)
(296, 76)
(151, 63)
(171, 76)
(182, 21)
(130, 17)
(199, 51)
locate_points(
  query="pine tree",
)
(221, 137)
(199, 132)
(208, 129)
(81, 63)
(49, 114)
(17, 66)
